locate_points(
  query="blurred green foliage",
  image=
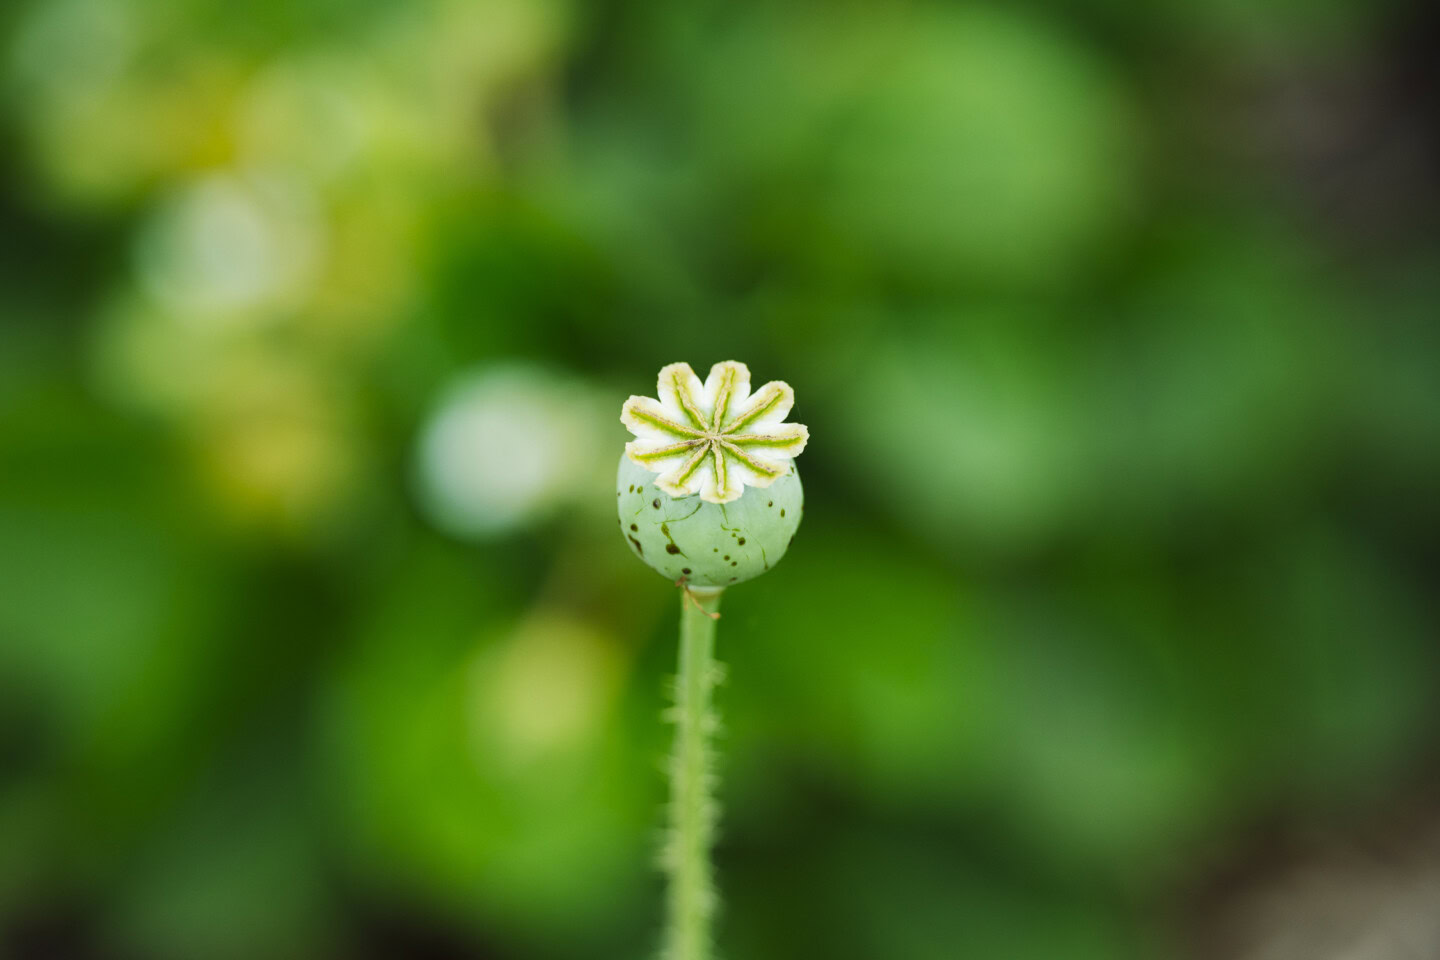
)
(1113, 326)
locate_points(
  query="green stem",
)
(693, 810)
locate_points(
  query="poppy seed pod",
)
(707, 544)
(708, 492)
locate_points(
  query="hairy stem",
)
(693, 810)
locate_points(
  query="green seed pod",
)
(707, 544)
(682, 486)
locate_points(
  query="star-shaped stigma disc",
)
(713, 438)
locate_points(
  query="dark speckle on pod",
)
(685, 570)
(770, 504)
(656, 504)
(742, 541)
(671, 548)
(634, 526)
(782, 511)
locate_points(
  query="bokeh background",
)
(1111, 633)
